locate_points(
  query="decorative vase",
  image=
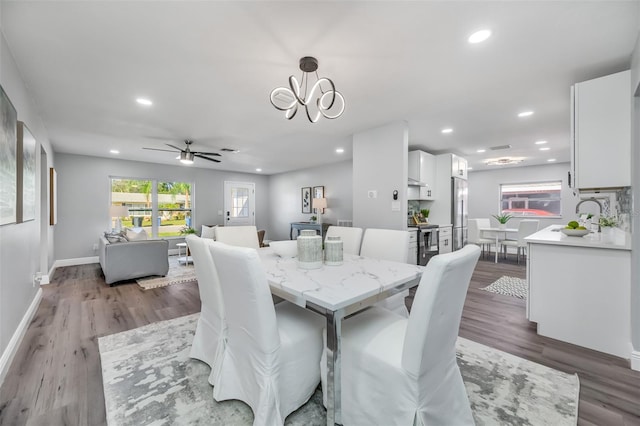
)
(502, 226)
(309, 249)
(333, 254)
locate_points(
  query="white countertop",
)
(335, 287)
(614, 238)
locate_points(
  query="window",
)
(170, 203)
(538, 199)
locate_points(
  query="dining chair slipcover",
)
(272, 355)
(209, 340)
(526, 227)
(240, 236)
(393, 245)
(351, 237)
(398, 371)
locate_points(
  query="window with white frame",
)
(533, 199)
(162, 208)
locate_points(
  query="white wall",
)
(285, 194)
(20, 243)
(635, 217)
(484, 190)
(380, 162)
(83, 197)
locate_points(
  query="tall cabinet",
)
(601, 132)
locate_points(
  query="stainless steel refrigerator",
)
(459, 210)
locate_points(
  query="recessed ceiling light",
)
(479, 36)
(143, 101)
(339, 150)
(469, 168)
(114, 151)
(551, 160)
(447, 130)
(258, 170)
(540, 142)
(481, 150)
(525, 113)
(545, 148)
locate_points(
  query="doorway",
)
(239, 203)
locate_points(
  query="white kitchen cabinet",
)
(413, 247)
(601, 132)
(422, 175)
(458, 167)
(445, 239)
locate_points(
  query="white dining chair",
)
(398, 371)
(351, 237)
(474, 235)
(272, 355)
(209, 340)
(526, 227)
(240, 236)
(393, 245)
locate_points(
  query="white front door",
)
(239, 203)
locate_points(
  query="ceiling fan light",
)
(186, 157)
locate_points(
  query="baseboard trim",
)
(635, 360)
(16, 339)
(69, 262)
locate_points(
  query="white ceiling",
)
(209, 68)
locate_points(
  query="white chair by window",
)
(526, 227)
(209, 340)
(240, 236)
(398, 371)
(272, 355)
(393, 245)
(351, 237)
(475, 236)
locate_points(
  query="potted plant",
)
(502, 219)
(187, 230)
(425, 214)
(313, 219)
(607, 223)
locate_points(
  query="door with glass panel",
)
(239, 203)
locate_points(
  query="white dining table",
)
(336, 292)
(497, 232)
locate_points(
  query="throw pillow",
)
(136, 234)
(208, 232)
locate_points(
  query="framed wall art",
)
(306, 199)
(26, 186)
(318, 192)
(8, 160)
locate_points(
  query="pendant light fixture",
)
(322, 99)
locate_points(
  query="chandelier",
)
(503, 161)
(319, 101)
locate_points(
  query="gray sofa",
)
(134, 259)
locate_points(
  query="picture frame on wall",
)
(8, 160)
(306, 199)
(26, 186)
(318, 192)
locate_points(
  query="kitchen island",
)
(579, 288)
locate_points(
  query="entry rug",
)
(149, 379)
(178, 273)
(509, 286)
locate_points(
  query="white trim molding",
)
(635, 360)
(16, 339)
(68, 262)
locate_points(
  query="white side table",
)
(186, 258)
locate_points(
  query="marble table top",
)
(335, 287)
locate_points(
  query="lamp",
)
(118, 212)
(186, 157)
(287, 99)
(318, 204)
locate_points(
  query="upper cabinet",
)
(601, 132)
(458, 167)
(422, 176)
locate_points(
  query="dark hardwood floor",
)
(55, 378)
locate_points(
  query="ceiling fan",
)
(186, 155)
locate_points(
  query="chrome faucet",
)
(595, 201)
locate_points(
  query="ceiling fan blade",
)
(175, 147)
(158, 149)
(206, 158)
(206, 153)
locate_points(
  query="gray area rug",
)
(509, 286)
(178, 273)
(149, 379)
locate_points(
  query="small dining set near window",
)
(483, 234)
